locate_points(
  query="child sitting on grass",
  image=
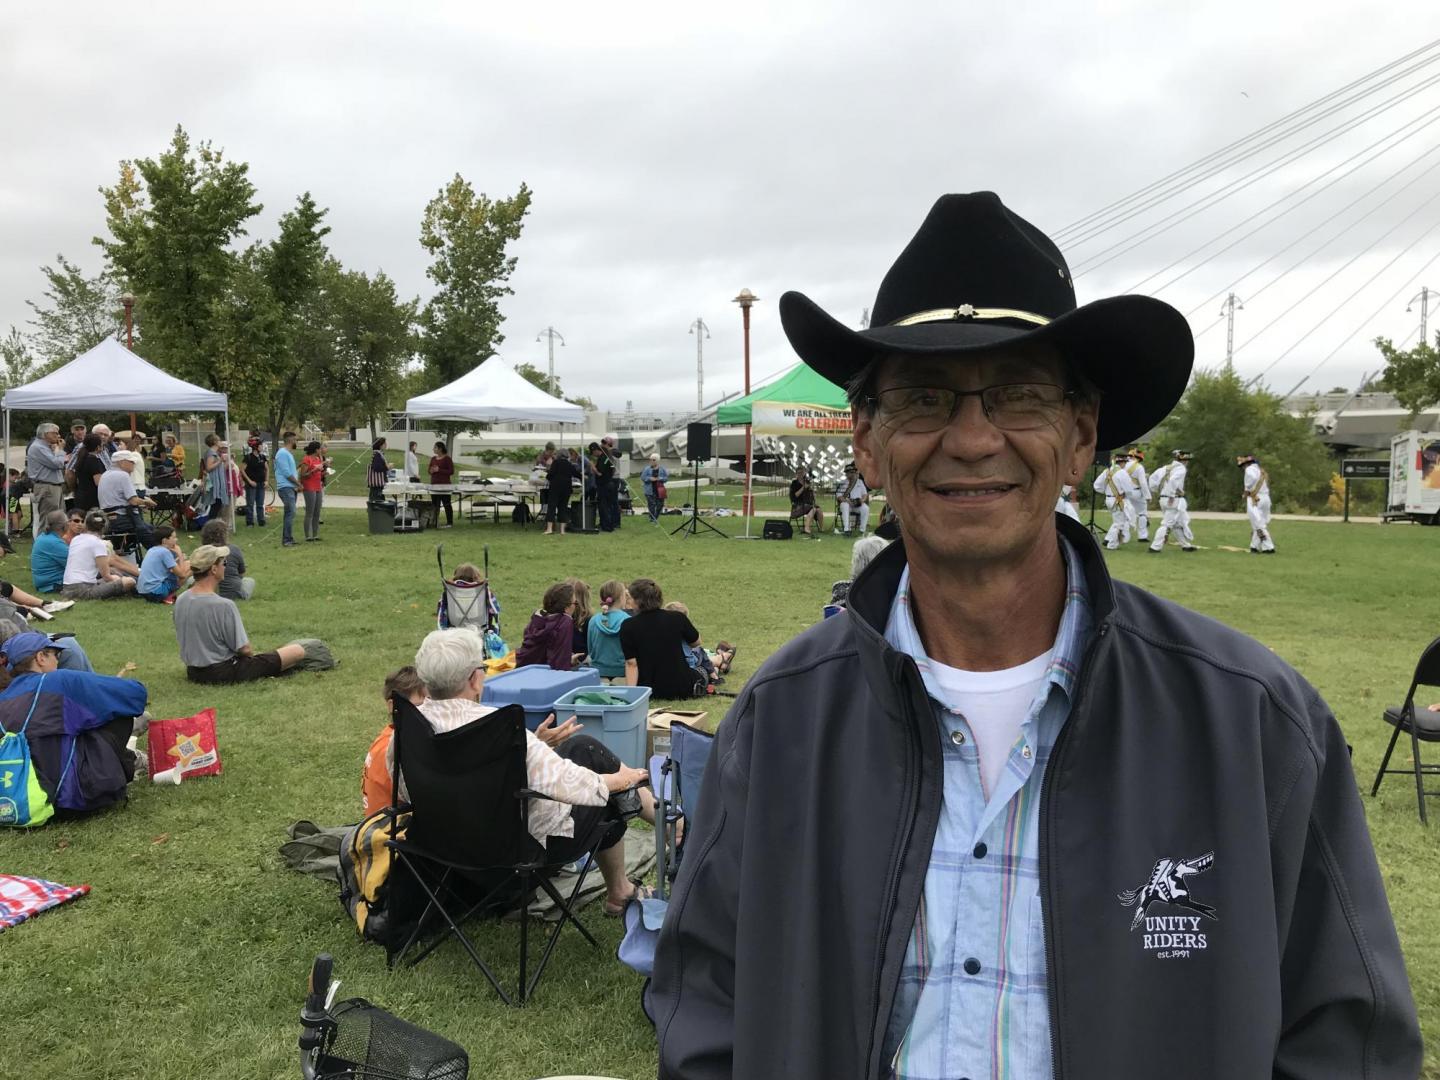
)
(602, 635)
(377, 779)
(581, 617)
(163, 569)
(699, 658)
(550, 635)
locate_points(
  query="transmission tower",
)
(1232, 303)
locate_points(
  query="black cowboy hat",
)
(978, 276)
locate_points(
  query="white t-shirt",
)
(994, 704)
(80, 563)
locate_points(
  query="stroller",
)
(470, 604)
(355, 1040)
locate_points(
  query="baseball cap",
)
(207, 555)
(22, 647)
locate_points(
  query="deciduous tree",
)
(1413, 376)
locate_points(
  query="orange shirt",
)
(375, 781)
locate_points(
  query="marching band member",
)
(1137, 505)
(1257, 505)
(1115, 484)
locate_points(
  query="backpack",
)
(365, 866)
(521, 515)
(23, 802)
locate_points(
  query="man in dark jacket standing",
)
(1094, 835)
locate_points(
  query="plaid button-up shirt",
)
(972, 1000)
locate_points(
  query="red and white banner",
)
(789, 418)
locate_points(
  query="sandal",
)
(642, 892)
(727, 657)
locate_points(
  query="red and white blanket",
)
(24, 897)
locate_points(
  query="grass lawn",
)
(188, 957)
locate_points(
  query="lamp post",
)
(128, 299)
(1424, 297)
(746, 300)
(551, 333)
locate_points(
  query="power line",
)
(1336, 309)
(1316, 228)
(1367, 320)
(1341, 269)
(1165, 224)
(1287, 196)
(1065, 232)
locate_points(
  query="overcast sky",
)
(680, 152)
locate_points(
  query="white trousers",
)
(1119, 531)
(1139, 515)
(1258, 511)
(863, 511)
(1177, 518)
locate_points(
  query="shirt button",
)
(972, 966)
(981, 850)
(957, 737)
(1027, 752)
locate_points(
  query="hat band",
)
(970, 311)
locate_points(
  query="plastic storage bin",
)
(536, 688)
(620, 727)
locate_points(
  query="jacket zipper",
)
(904, 847)
(1051, 976)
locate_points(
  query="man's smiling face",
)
(970, 491)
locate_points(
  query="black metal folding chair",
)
(1422, 726)
(468, 843)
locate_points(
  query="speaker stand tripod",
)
(1095, 529)
(691, 525)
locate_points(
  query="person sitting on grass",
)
(376, 783)
(213, 644)
(602, 635)
(50, 551)
(580, 616)
(77, 725)
(550, 635)
(235, 586)
(91, 569)
(655, 641)
(579, 776)
(164, 568)
(72, 656)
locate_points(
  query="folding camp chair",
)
(675, 781)
(468, 844)
(1422, 726)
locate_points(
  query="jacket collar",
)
(874, 590)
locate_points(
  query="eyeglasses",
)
(1010, 406)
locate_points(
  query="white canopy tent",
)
(110, 378)
(493, 393)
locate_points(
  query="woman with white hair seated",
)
(579, 775)
(861, 553)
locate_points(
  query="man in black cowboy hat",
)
(1007, 816)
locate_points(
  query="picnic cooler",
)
(535, 688)
(620, 727)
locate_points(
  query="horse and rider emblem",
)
(1167, 886)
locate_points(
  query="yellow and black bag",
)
(365, 871)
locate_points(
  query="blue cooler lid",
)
(535, 686)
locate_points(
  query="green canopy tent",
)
(815, 405)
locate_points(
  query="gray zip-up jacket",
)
(1195, 766)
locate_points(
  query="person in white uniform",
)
(1115, 484)
(1257, 505)
(1137, 503)
(854, 497)
(1066, 504)
(1171, 485)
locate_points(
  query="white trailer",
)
(1414, 478)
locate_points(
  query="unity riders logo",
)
(1170, 936)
